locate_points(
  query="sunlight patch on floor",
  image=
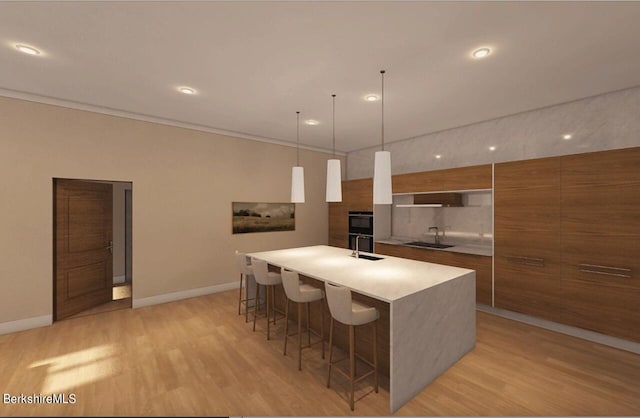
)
(77, 368)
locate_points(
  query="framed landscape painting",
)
(263, 217)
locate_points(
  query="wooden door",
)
(527, 265)
(601, 242)
(83, 260)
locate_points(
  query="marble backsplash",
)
(607, 121)
(470, 224)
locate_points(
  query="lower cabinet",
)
(481, 264)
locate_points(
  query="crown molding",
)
(14, 94)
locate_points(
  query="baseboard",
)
(118, 279)
(185, 294)
(584, 334)
(24, 324)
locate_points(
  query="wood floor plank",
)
(198, 357)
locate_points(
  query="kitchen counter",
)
(432, 317)
(465, 248)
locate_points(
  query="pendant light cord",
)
(334, 126)
(298, 139)
(382, 102)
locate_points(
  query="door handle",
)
(110, 247)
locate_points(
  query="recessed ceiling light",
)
(27, 49)
(186, 90)
(311, 122)
(567, 136)
(481, 52)
(371, 98)
(492, 148)
(438, 156)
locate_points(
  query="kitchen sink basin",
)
(428, 244)
(369, 257)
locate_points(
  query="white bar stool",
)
(245, 270)
(269, 280)
(302, 294)
(352, 313)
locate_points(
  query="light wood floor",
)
(198, 357)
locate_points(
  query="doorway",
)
(92, 230)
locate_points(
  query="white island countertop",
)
(389, 279)
(432, 309)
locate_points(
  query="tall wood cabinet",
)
(601, 242)
(527, 262)
(567, 240)
(357, 195)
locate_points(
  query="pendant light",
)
(297, 172)
(334, 171)
(382, 166)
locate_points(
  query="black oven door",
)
(361, 223)
(365, 242)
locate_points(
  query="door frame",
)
(54, 234)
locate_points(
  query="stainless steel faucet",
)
(431, 228)
(356, 252)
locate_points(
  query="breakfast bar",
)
(432, 320)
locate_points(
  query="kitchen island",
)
(432, 320)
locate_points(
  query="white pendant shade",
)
(334, 181)
(297, 185)
(382, 178)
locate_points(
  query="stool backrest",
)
(241, 263)
(339, 300)
(260, 271)
(290, 280)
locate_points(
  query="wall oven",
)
(365, 242)
(361, 224)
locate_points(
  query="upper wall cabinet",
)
(464, 178)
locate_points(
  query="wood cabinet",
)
(463, 178)
(357, 195)
(481, 264)
(601, 242)
(567, 240)
(527, 237)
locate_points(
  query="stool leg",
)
(286, 325)
(246, 299)
(255, 306)
(352, 363)
(268, 314)
(322, 327)
(240, 294)
(299, 336)
(308, 320)
(273, 303)
(330, 350)
(375, 354)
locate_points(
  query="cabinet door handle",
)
(530, 261)
(604, 267)
(604, 273)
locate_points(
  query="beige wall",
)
(184, 182)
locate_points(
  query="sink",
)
(428, 244)
(369, 257)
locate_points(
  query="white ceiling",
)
(255, 63)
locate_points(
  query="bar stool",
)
(269, 280)
(302, 294)
(245, 270)
(352, 313)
